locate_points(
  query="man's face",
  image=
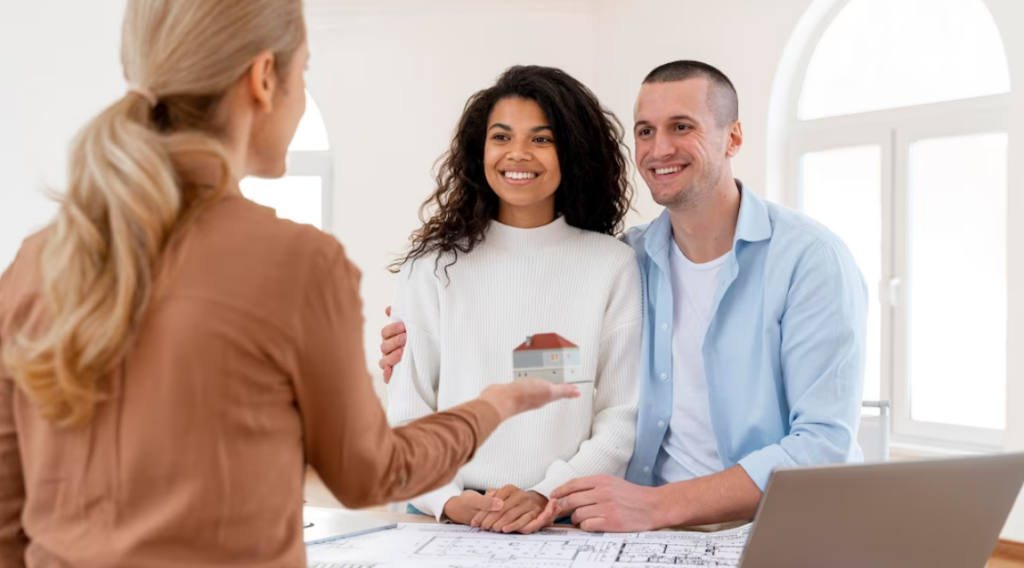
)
(680, 149)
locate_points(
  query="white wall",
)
(65, 69)
(743, 38)
(391, 78)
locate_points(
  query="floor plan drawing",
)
(450, 546)
(498, 550)
(704, 550)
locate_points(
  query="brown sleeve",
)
(361, 459)
(12, 484)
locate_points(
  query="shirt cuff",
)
(433, 503)
(760, 464)
(558, 474)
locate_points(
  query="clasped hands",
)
(598, 503)
(504, 510)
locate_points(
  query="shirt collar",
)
(753, 225)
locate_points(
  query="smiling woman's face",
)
(521, 162)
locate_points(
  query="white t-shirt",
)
(690, 448)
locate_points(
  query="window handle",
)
(889, 291)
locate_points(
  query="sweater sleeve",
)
(616, 388)
(347, 439)
(412, 392)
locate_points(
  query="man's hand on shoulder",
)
(393, 338)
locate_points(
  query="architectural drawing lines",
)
(506, 550)
(448, 546)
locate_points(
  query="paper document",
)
(453, 546)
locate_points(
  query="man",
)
(755, 320)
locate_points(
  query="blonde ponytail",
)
(130, 190)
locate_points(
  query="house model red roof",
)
(543, 341)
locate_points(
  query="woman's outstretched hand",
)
(522, 395)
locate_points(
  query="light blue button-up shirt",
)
(784, 351)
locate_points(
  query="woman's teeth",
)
(520, 175)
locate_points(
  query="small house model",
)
(548, 356)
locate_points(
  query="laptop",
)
(323, 524)
(925, 514)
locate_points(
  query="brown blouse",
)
(249, 365)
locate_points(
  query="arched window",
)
(303, 195)
(883, 54)
(897, 141)
(311, 135)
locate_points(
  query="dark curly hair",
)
(595, 193)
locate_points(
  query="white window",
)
(303, 195)
(882, 54)
(897, 142)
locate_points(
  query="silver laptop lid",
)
(925, 514)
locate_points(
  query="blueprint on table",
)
(452, 546)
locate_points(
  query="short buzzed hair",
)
(722, 96)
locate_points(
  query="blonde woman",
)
(173, 353)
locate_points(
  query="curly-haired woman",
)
(520, 242)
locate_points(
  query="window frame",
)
(316, 163)
(893, 130)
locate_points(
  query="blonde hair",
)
(129, 189)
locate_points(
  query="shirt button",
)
(664, 326)
(647, 469)
(664, 376)
(661, 424)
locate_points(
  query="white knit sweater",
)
(463, 328)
